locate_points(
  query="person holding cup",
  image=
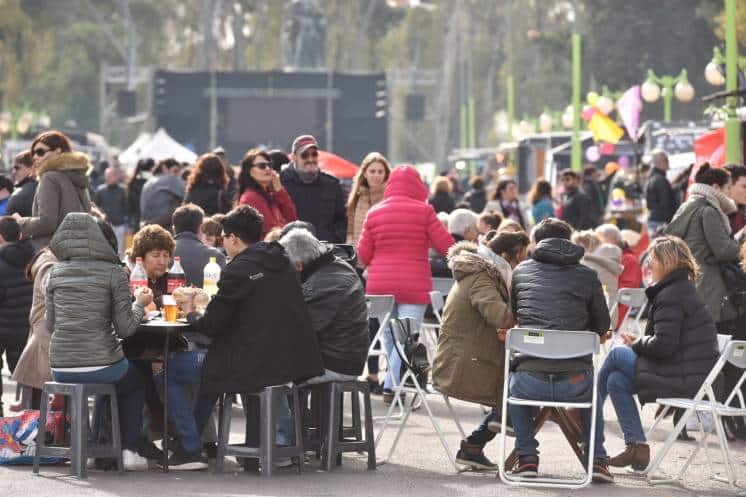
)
(155, 246)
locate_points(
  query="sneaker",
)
(180, 460)
(133, 461)
(374, 387)
(150, 451)
(601, 472)
(210, 449)
(284, 462)
(636, 455)
(527, 467)
(471, 455)
(388, 396)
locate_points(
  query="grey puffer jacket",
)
(88, 300)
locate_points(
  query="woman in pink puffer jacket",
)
(394, 244)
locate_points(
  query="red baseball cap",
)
(303, 143)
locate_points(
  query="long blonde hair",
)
(672, 253)
(360, 179)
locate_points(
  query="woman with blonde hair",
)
(674, 356)
(367, 191)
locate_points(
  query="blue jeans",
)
(185, 368)
(617, 380)
(576, 388)
(130, 386)
(416, 311)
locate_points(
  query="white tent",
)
(130, 156)
(159, 146)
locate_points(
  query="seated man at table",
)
(194, 254)
(553, 290)
(261, 334)
(335, 300)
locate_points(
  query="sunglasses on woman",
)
(262, 165)
(40, 152)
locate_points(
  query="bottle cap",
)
(212, 260)
(177, 259)
(138, 259)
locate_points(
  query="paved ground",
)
(418, 468)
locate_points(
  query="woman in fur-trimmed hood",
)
(63, 186)
(469, 363)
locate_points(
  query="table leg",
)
(165, 404)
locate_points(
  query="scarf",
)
(717, 199)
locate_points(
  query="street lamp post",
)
(733, 124)
(672, 85)
(576, 159)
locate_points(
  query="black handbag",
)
(415, 352)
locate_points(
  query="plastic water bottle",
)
(138, 278)
(211, 277)
(176, 277)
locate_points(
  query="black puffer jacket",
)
(15, 290)
(23, 197)
(260, 328)
(553, 291)
(680, 343)
(335, 300)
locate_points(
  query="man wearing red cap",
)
(317, 196)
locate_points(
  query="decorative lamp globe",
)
(713, 74)
(684, 91)
(567, 120)
(650, 91)
(605, 104)
(545, 123)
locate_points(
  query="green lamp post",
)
(678, 86)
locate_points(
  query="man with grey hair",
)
(335, 300)
(659, 195)
(462, 225)
(631, 276)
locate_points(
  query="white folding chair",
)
(735, 354)
(401, 328)
(381, 307)
(430, 339)
(549, 344)
(634, 299)
(443, 285)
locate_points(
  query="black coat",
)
(210, 197)
(321, 203)
(477, 199)
(554, 291)
(660, 197)
(22, 198)
(579, 210)
(442, 202)
(16, 291)
(260, 328)
(591, 188)
(335, 300)
(112, 199)
(680, 343)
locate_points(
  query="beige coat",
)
(63, 188)
(33, 367)
(365, 200)
(470, 360)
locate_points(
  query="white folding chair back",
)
(634, 299)
(723, 340)
(443, 285)
(735, 354)
(381, 307)
(430, 339)
(549, 344)
(438, 302)
(401, 327)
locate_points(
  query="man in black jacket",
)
(578, 209)
(659, 195)
(25, 187)
(111, 197)
(193, 253)
(317, 196)
(260, 331)
(553, 290)
(335, 300)
(15, 293)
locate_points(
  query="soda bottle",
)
(212, 276)
(176, 277)
(138, 278)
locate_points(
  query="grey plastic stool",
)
(329, 434)
(267, 452)
(80, 448)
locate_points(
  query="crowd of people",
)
(290, 308)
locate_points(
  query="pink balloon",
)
(592, 153)
(624, 161)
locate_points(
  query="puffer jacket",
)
(396, 237)
(33, 367)
(63, 188)
(335, 300)
(22, 199)
(15, 290)
(469, 362)
(680, 343)
(553, 291)
(88, 300)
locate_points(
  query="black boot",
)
(472, 455)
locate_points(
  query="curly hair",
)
(149, 238)
(673, 253)
(209, 168)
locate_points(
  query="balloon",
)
(624, 161)
(592, 153)
(592, 98)
(617, 197)
(610, 168)
(588, 112)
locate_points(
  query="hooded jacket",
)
(680, 343)
(15, 290)
(396, 237)
(469, 362)
(63, 188)
(553, 291)
(22, 200)
(88, 301)
(261, 332)
(33, 367)
(335, 300)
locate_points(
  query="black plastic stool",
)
(267, 451)
(327, 432)
(80, 448)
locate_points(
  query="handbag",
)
(415, 352)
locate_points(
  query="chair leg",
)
(369, 431)
(356, 424)
(298, 422)
(78, 438)
(407, 412)
(224, 430)
(116, 433)
(267, 431)
(41, 433)
(333, 421)
(440, 433)
(454, 416)
(725, 449)
(657, 421)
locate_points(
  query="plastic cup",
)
(170, 309)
